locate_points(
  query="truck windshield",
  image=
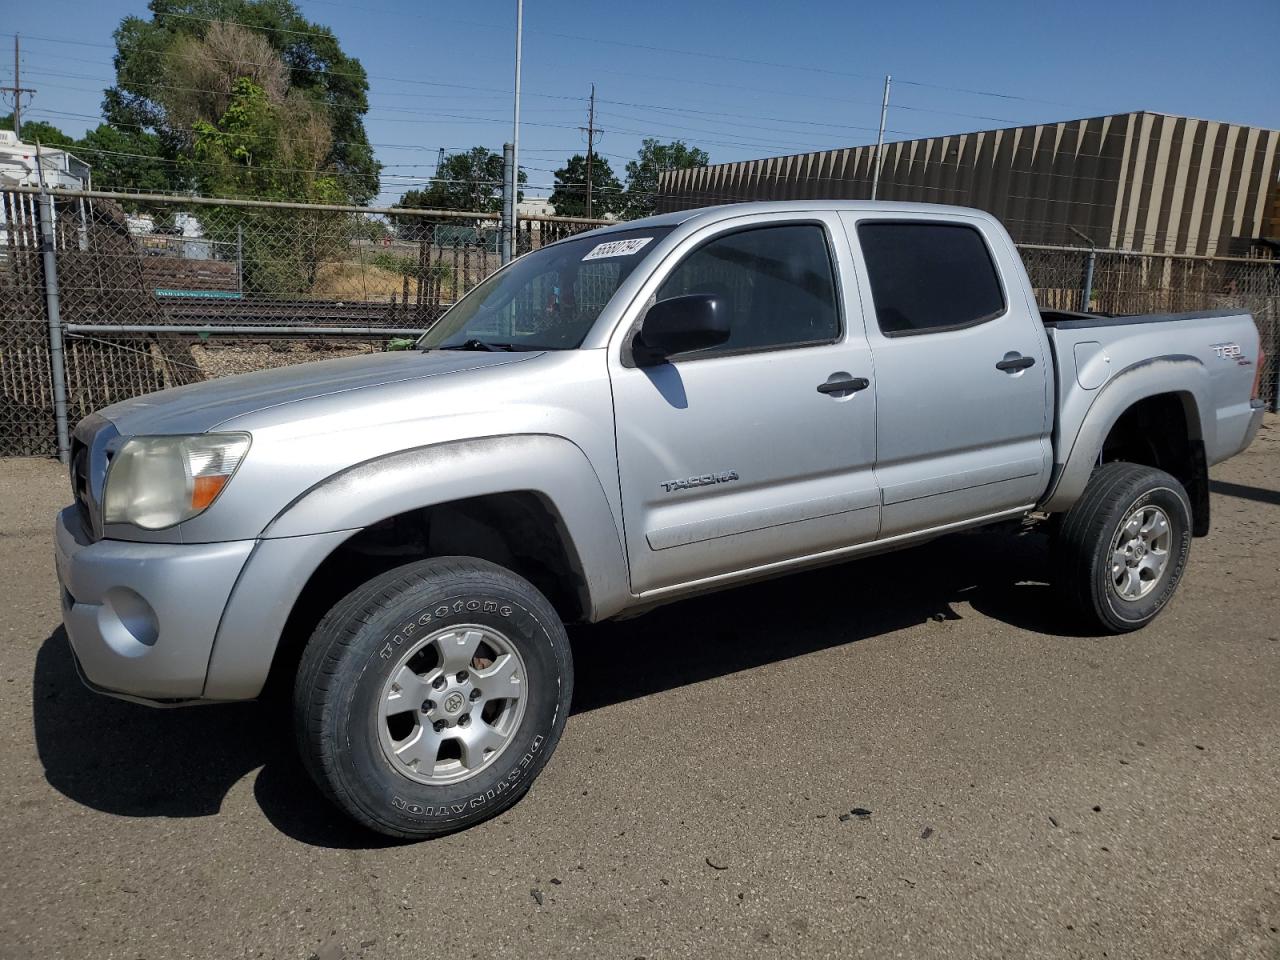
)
(547, 299)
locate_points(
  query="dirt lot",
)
(1032, 792)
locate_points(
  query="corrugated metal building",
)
(1134, 181)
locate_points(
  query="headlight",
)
(156, 482)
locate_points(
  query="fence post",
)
(1086, 295)
(508, 201)
(57, 362)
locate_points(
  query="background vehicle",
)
(613, 422)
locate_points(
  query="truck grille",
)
(90, 457)
(80, 482)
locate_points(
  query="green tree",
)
(262, 148)
(126, 160)
(653, 160)
(570, 194)
(121, 160)
(465, 181)
(159, 83)
(37, 130)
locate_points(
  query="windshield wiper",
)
(474, 344)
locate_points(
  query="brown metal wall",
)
(1140, 181)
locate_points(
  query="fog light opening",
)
(125, 617)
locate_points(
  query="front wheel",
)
(429, 698)
(1121, 549)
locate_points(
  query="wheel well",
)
(1163, 431)
(518, 530)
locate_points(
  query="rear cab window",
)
(929, 276)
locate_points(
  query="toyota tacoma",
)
(615, 421)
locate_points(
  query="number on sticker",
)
(617, 248)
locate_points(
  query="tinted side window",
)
(928, 277)
(776, 282)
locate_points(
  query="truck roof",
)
(726, 210)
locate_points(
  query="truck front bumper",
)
(142, 617)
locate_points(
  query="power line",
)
(1169, 162)
(328, 34)
(687, 53)
(733, 123)
(498, 91)
(642, 106)
(746, 116)
(737, 142)
(714, 56)
(756, 142)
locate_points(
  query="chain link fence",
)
(27, 424)
(156, 291)
(1128, 282)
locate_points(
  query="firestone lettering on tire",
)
(479, 800)
(388, 649)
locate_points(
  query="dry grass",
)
(350, 280)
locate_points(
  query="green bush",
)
(395, 263)
(408, 266)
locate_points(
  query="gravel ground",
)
(1030, 792)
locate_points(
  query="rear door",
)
(733, 458)
(962, 381)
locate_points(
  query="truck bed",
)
(1216, 350)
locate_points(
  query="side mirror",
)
(680, 325)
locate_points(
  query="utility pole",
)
(508, 204)
(884, 113)
(439, 161)
(591, 141)
(514, 183)
(17, 89)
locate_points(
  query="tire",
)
(361, 697)
(1114, 584)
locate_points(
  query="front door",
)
(760, 450)
(962, 374)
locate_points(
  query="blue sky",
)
(740, 80)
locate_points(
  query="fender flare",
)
(314, 524)
(1179, 374)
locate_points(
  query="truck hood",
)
(200, 407)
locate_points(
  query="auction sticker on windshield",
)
(617, 248)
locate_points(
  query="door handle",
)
(1014, 363)
(844, 385)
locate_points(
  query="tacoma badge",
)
(706, 480)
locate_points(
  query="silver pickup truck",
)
(615, 421)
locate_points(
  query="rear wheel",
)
(1121, 550)
(428, 699)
